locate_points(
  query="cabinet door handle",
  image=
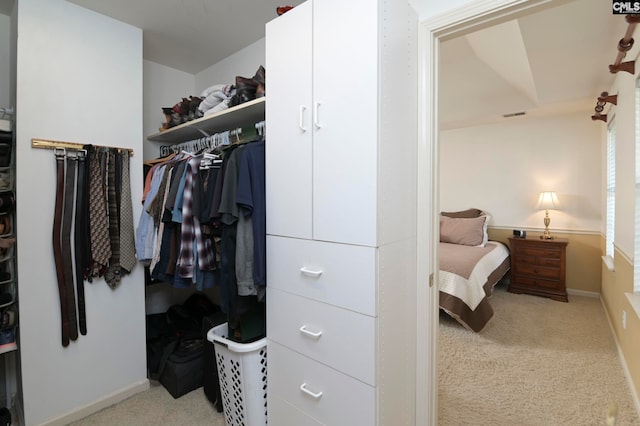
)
(303, 388)
(311, 272)
(316, 115)
(303, 109)
(308, 332)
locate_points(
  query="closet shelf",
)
(248, 112)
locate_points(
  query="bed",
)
(470, 267)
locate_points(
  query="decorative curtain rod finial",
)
(629, 67)
(632, 19)
(606, 98)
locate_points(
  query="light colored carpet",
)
(156, 406)
(538, 362)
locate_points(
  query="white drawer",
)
(280, 412)
(338, 274)
(323, 393)
(342, 339)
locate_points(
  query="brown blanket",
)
(467, 277)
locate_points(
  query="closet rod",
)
(624, 45)
(49, 144)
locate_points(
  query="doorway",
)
(474, 16)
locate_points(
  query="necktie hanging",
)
(92, 225)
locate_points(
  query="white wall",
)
(163, 87)
(244, 63)
(79, 79)
(501, 168)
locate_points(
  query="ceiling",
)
(192, 35)
(554, 60)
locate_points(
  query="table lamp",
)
(548, 201)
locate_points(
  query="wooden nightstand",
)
(538, 267)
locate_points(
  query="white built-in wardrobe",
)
(341, 213)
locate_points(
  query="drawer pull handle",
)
(301, 124)
(308, 332)
(303, 388)
(311, 272)
(316, 116)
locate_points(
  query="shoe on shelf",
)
(260, 78)
(7, 337)
(5, 245)
(5, 183)
(5, 416)
(7, 201)
(245, 91)
(8, 318)
(5, 225)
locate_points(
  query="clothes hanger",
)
(160, 159)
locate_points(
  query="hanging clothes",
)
(204, 224)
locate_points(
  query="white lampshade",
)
(548, 201)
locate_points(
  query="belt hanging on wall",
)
(92, 187)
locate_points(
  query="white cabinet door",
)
(288, 162)
(321, 114)
(345, 88)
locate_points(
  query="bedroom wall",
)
(502, 167)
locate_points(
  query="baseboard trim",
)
(623, 361)
(585, 293)
(98, 405)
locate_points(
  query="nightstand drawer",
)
(540, 261)
(537, 271)
(530, 282)
(538, 251)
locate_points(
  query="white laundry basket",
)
(242, 370)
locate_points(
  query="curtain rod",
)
(624, 45)
(49, 144)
